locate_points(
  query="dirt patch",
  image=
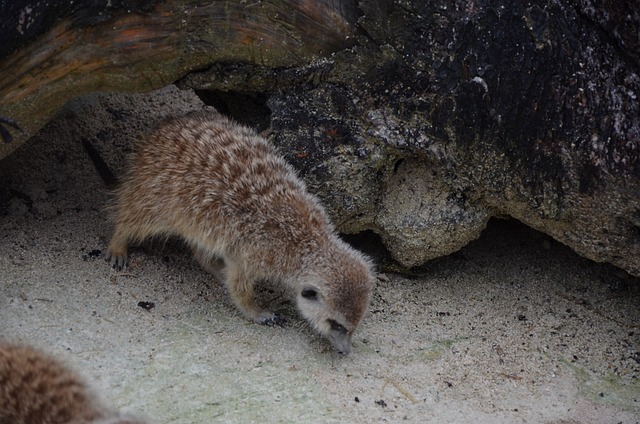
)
(514, 328)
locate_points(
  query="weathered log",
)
(429, 117)
(53, 52)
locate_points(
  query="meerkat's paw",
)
(117, 249)
(270, 319)
(118, 262)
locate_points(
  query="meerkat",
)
(246, 216)
(36, 389)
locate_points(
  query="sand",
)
(514, 328)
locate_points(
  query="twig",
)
(510, 376)
(125, 274)
(401, 389)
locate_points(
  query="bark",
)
(427, 118)
(54, 51)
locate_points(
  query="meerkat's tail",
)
(105, 173)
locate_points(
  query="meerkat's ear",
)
(310, 293)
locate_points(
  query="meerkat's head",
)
(334, 296)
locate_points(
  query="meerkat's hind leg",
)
(118, 246)
(240, 288)
(136, 228)
(116, 253)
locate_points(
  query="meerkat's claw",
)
(117, 262)
(271, 319)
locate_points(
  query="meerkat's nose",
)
(345, 350)
(342, 346)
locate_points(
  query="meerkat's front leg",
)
(240, 287)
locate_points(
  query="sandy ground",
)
(515, 328)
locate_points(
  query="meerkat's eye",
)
(310, 293)
(336, 326)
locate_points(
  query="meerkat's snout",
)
(339, 337)
(325, 320)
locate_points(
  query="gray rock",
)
(420, 218)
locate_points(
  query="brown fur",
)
(246, 216)
(35, 389)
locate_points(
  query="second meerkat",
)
(37, 389)
(247, 216)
